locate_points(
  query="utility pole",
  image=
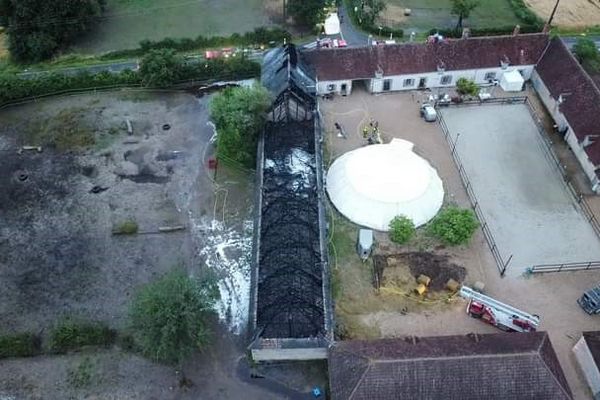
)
(553, 12)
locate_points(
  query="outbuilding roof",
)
(410, 58)
(563, 75)
(492, 366)
(592, 339)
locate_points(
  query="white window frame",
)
(408, 82)
(389, 83)
(446, 80)
(490, 76)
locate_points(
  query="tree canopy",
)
(38, 28)
(239, 115)
(307, 12)
(587, 53)
(169, 316)
(454, 225)
(160, 67)
(462, 9)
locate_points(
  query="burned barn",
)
(290, 303)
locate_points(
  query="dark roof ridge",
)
(470, 356)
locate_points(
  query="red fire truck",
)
(496, 313)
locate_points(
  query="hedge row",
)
(499, 31)
(67, 335)
(73, 335)
(260, 36)
(526, 15)
(19, 345)
(14, 88)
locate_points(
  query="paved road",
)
(351, 35)
(571, 40)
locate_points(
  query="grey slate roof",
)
(494, 366)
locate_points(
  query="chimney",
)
(441, 67)
(517, 30)
(466, 33)
(546, 28)
(588, 140)
(522, 60)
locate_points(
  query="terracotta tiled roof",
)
(498, 366)
(562, 74)
(408, 58)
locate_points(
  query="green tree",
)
(160, 68)
(38, 28)
(371, 10)
(587, 53)
(169, 316)
(239, 115)
(462, 9)
(307, 12)
(467, 87)
(402, 229)
(454, 225)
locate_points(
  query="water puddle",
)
(227, 251)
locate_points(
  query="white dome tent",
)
(332, 24)
(373, 184)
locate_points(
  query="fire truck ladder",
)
(470, 294)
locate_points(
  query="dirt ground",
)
(58, 256)
(553, 297)
(572, 13)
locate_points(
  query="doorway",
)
(422, 83)
(344, 89)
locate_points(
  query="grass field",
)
(127, 22)
(428, 14)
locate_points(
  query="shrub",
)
(19, 345)
(454, 226)
(129, 227)
(466, 87)
(402, 229)
(72, 335)
(168, 317)
(160, 68)
(239, 115)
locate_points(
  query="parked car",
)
(590, 301)
(428, 112)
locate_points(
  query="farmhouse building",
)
(570, 95)
(423, 66)
(573, 100)
(473, 367)
(587, 353)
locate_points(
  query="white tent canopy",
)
(332, 24)
(373, 184)
(512, 81)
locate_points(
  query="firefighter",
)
(365, 132)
